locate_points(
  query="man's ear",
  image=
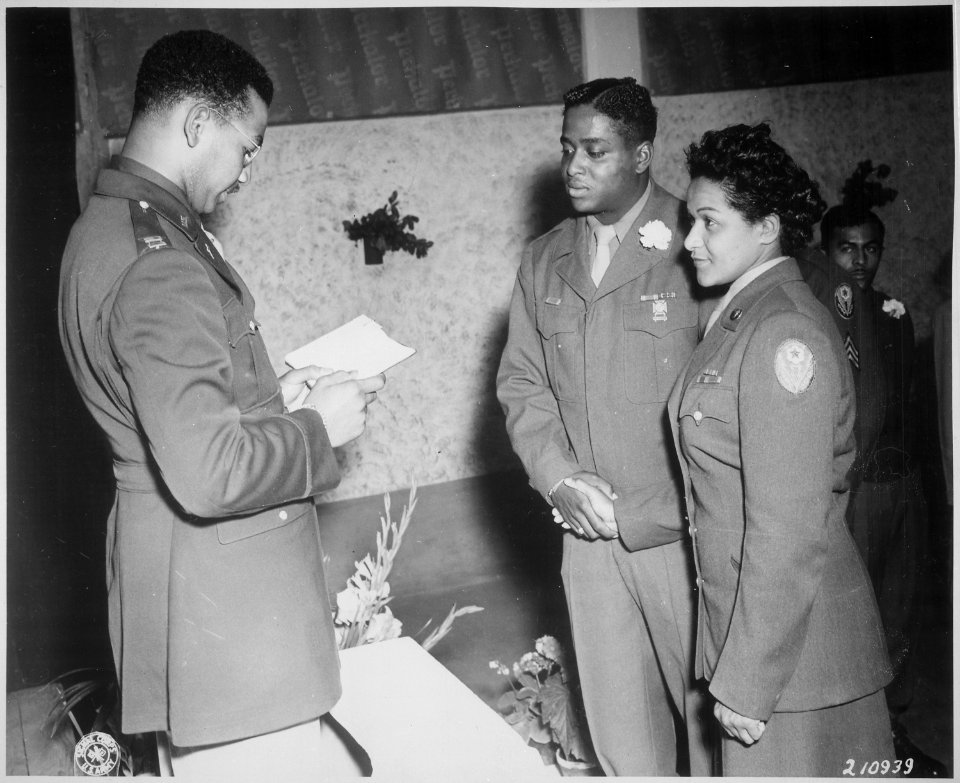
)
(769, 229)
(195, 124)
(642, 156)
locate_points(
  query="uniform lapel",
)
(632, 259)
(737, 308)
(121, 183)
(572, 259)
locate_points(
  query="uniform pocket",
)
(561, 332)
(657, 342)
(239, 528)
(702, 403)
(253, 378)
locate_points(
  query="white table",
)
(418, 722)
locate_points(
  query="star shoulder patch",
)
(794, 365)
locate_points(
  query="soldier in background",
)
(887, 513)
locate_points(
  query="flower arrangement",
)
(894, 308)
(655, 234)
(363, 615)
(384, 229)
(540, 704)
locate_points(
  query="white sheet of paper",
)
(359, 345)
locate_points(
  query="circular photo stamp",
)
(97, 755)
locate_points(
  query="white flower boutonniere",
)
(655, 234)
(894, 308)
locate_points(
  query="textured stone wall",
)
(483, 184)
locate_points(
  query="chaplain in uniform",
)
(219, 617)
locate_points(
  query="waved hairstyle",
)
(624, 101)
(758, 178)
(202, 65)
(847, 216)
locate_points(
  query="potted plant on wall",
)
(385, 229)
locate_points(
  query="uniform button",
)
(699, 582)
(282, 515)
(253, 326)
(144, 205)
(693, 530)
(697, 416)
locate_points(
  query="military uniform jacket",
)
(219, 616)
(763, 418)
(586, 371)
(879, 346)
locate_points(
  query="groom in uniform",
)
(604, 315)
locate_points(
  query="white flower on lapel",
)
(656, 234)
(894, 308)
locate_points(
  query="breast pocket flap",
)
(661, 319)
(716, 403)
(553, 320)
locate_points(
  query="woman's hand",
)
(601, 497)
(740, 727)
(574, 510)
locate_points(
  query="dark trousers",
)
(889, 524)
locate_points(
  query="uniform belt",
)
(135, 477)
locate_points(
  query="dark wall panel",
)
(332, 64)
(697, 50)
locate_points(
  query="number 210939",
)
(873, 768)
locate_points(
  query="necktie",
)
(603, 235)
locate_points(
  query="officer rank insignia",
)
(794, 365)
(843, 299)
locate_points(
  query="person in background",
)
(788, 632)
(219, 617)
(888, 513)
(603, 316)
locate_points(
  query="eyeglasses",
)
(247, 155)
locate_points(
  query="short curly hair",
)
(198, 64)
(759, 178)
(624, 101)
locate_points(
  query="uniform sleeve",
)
(653, 515)
(789, 397)
(167, 332)
(533, 416)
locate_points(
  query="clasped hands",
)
(583, 504)
(340, 398)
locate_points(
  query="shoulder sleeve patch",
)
(794, 365)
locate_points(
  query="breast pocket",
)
(561, 332)
(704, 408)
(253, 378)
(656, 346)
